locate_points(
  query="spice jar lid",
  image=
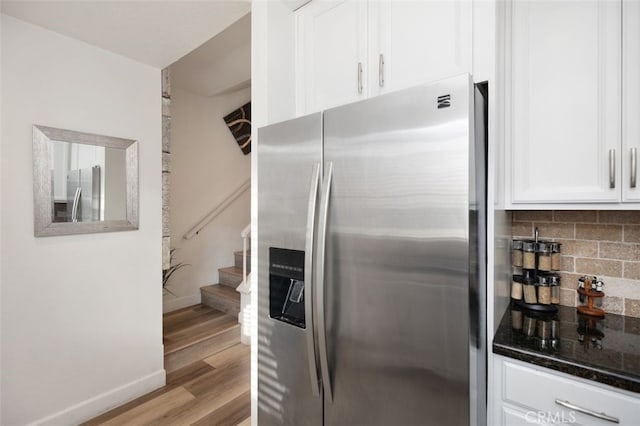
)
(529, 246)
(517, 244)
(543, 280)
(529, 274)
(518, 278)
(555, 247)
(554, 279)
(543, 247)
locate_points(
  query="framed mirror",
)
(83, 183)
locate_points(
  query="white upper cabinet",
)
(331, 54)
(353, 49)
(414, 42)
(563, 111)
(630, 99)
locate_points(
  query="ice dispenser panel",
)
(286, 285)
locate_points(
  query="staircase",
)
(223, 296)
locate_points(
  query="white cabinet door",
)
(420, 41)
(515, 417)
(564, 92)
(332, 37)
(630, 99)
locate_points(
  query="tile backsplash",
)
(601, 243)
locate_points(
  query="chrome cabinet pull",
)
(634, 166)
(320, 264)
(586, 411)
(308, 280)
(360, 78)
(612, 168)
(381, 70)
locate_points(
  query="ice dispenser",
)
(286, 286)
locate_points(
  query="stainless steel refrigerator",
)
(371, 262)
(83, 194)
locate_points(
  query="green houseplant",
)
(166, 273)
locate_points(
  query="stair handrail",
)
(245, 315)
(222, 206)
(245, 235)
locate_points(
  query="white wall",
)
(81, 315)
(206, 166)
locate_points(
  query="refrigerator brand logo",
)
(444, 101)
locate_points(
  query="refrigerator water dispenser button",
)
(295, 291)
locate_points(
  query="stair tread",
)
(232, 270)
(188, 317)
(222, 291)
(194, 332)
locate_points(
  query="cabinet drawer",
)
(538, 391)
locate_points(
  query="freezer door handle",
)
(308, 280)
(76, 201)
(322, 234)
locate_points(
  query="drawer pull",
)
(586, 411)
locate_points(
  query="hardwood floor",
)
(211, 391)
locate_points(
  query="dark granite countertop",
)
(604, 350)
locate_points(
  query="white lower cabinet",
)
(515, 417)
(528, 394)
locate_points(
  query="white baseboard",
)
(173, 304)
(99, 404)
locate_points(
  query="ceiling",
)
(154, 32)
(220, 65)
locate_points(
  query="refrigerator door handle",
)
(74, 208)
(322, 234)
(308, 280)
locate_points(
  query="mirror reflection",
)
(88, 182)
(83, 182)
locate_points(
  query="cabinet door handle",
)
(586, 411)
(360, 78)
(612, 168)
(634, 166)
(381, 70)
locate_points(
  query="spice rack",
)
(590, 289)
(535, 286)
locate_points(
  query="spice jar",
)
(516, 287)
(554, 283)
(529, 289)
(581, 281)
(544, 329)
(544, 256)
(529, 255)
(544, 290)
(529, 326)
(516, 319)
(556, 262)
(597, 286)
(516, 253)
